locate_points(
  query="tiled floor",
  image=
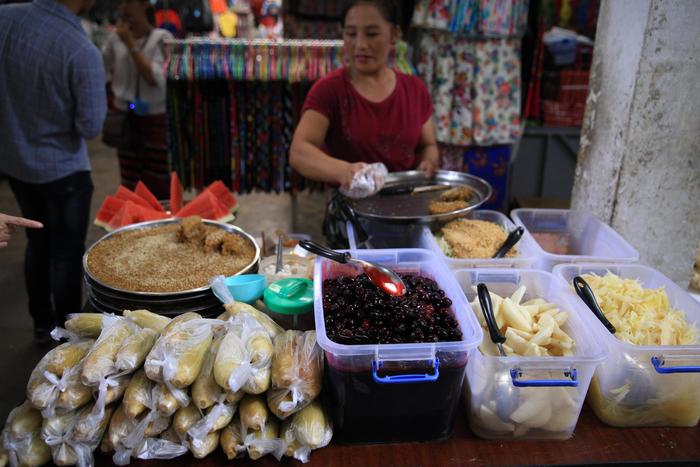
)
(18, 355)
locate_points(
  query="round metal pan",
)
(250, 268)
(412, 208)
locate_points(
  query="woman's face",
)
(368, 38)
(133, 10)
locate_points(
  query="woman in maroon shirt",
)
(365, 112)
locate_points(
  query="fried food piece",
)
(458, 193)
(192, 230)
(234, 245)
(213, 241)
(442, 207)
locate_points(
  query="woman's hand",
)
(429, 166)
(347, 176)
(124, 33)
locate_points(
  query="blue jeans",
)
(53, 270)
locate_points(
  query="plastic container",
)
(529, 397)
(527, 249)
(294, 266)
(395, 392)
(584, 238)
(290, 302)
(384, 235)
(664, 381)
(246, 287)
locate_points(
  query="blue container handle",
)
(660, 368)
(405, 379)
(570, 380)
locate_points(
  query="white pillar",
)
(639, 160)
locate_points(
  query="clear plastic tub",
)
(527, 249)
(640, 385)
(529, 397)
(395, 392)
(384, 235)
(584, 237)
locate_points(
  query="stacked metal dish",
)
(109, 299)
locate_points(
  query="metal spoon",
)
(279, 264)
(382, 277)
(511, 240)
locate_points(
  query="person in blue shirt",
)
(52, 98)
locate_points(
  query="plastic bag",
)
(218, 417)
(178, 355)
(366, 181)
(232, 440)
(147, 320)
(205, 391)
(308, 429)
(21, 437)
(233, 308)
(135, 349)
(297, 372)
(265, 441)
(100, 362)
(244, 357)
(72, 440)
(84, 324)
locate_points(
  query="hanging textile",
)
(496, 105)
(474, 18)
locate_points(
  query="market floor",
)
(257, 212)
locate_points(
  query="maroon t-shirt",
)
(364, 131)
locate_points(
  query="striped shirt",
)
(52, 92)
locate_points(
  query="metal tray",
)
(250, 267)
(413, 208)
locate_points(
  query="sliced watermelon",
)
(128, 214)
(147, 214)
(223, 194)
(143, 191)
(207, 206)
(110, 206)
(128, 195)
(175, 193)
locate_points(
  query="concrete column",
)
(639, 160)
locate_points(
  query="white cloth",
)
(121, 70)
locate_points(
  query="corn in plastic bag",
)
(297, 372)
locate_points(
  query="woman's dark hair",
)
(388, 9)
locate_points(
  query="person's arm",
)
(143, 64)
(307, 158)
(8, 224)
(88, 89)
(428, 155)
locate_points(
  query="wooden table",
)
(593, 442)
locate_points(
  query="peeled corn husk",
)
(100, 361)
(23, 421)
(312, 426)
(231, 440)
(119, 428)
(202, 449)
(67, 355)
(167, 404)
(85, 324)
(135, 349)
(184, 347)
(253, 412)
(185, 418)
(205, 391)
(183, 318)
(147, 320)
(137, 394)
(296, 372)
(35, 454)
(262, 442)
(235, 308)
(86, 428)
(76, 394)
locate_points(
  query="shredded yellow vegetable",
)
(641, 316)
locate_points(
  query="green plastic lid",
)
(291, 296)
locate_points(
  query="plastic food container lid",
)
(292, 296)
